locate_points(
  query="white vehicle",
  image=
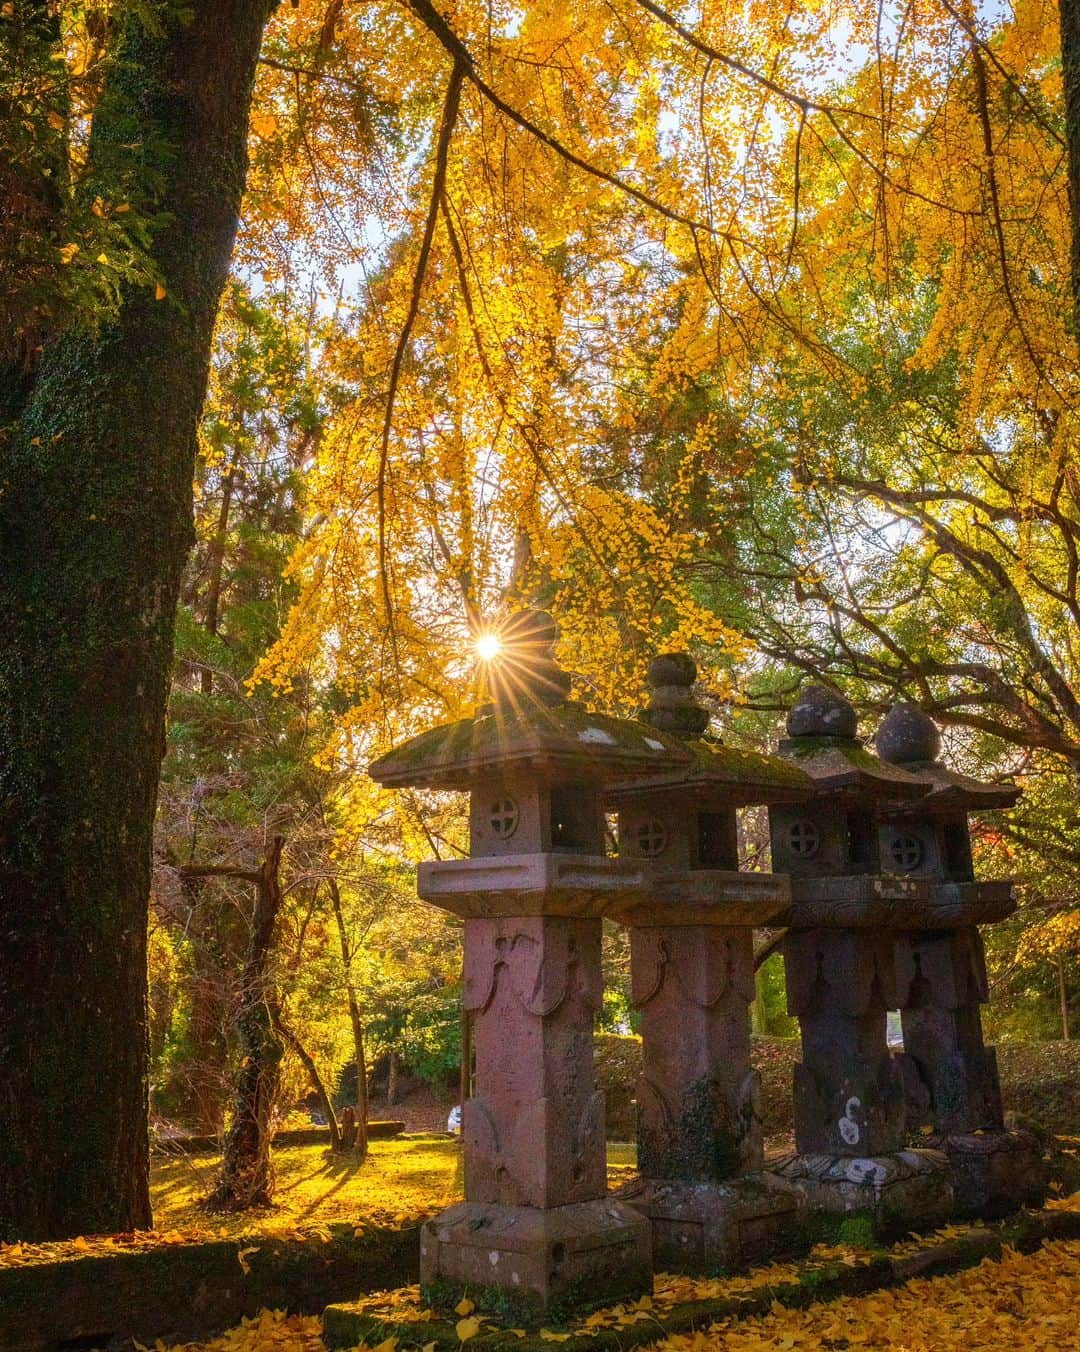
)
(453, 1122)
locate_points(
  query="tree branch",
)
(451, 105)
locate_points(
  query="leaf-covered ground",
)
(403, 1180)
(1023, 1302)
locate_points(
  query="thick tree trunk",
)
(1070, 70)
(95, 525)
(247, 1173)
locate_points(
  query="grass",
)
(402, 1180)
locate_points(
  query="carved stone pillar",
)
(942, 982)
(849, 1097)
(699, 1133)
(941, 974)
(534, 1128)
(692, 968)
(698, 1114)
(850, 1126)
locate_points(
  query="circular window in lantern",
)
(803, 838)
(906, 852)
(651, 838)
(504, 817)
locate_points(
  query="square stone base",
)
(711, 1227)
(893, 1192)
(994, 1172)
(535, 1261)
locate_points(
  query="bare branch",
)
(442, 149)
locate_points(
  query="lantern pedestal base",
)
(709, 1227)
(993, 1172)
(534, 1261)
(891, 1192)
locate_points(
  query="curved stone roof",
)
(725, 775)
(561, 742)
(843, 766)
(910, 738)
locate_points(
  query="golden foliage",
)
(556, 240)
(1057, 934)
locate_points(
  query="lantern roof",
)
(909, 738)
(716, 774)
(530, 728)
(822, 742)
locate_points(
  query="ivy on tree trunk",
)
(97, 449)
(1070, 70)
(247, 1172)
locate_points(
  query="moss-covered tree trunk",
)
(247, 1172)
(96, 464)
(1070, 70)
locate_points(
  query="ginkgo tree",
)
(824, 284)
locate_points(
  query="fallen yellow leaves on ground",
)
(1022, 1303)
(671, 1290)
(421, 1174)
(267, 1331)
(57, 1251)
(402, 1181)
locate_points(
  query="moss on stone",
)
(184, 1292)
(347, 1325)
(452, 755)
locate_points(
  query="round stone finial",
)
(525, 671)
(672, 707)
(528, 627)
(821, 712)
(907, 735)
(672, 669)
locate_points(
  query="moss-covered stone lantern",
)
(537, 1228)
(941, 972)
(850, 1122)
(692, 970)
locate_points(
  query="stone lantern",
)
(941, 972)
(537, 1224)
(692, 969)
(839, 964)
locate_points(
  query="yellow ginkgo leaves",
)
(468, 1326)
(263, 124)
